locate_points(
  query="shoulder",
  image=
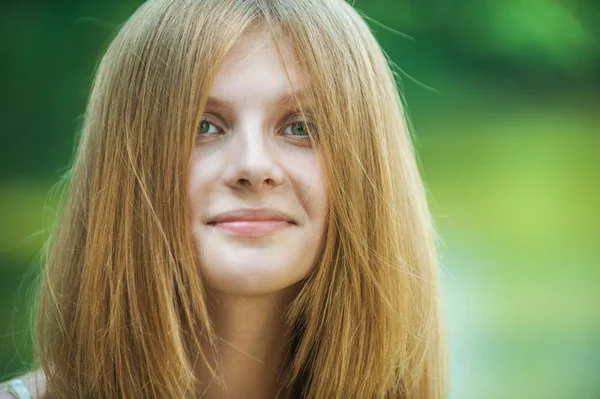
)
(28, 386)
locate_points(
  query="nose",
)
(253, 163)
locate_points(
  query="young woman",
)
(244, 217)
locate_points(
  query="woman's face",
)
(257, 192)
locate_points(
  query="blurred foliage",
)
(50, 51)
(503, 97)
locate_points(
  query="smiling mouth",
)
(252, 228)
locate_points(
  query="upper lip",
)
(248, 214)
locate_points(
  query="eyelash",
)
(291, 120)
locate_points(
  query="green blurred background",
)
(504, 98)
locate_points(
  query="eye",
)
(298, 128)
(206, 127)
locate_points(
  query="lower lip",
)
(253, 228)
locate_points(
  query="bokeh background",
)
(504, 100)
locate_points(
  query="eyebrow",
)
(302, 95)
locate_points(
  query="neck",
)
(252, 343)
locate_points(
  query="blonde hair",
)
(122, 306)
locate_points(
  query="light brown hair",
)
(122, 305)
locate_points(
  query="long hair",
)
(122, 310)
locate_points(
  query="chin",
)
(257, 275)
(254, 266)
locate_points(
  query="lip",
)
(252, 222)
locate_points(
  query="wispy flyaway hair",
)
(122, 312)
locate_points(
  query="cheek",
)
(312, 191)
(315, 200)
(315, 191)
(198, 194)
(267, 265)
(194, 188)
(202, 170)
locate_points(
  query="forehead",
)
(257, 69)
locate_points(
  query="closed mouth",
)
(252, 216)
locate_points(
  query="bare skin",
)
(254, 154)
(251, 155)
(35, 382)
(253, 341)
